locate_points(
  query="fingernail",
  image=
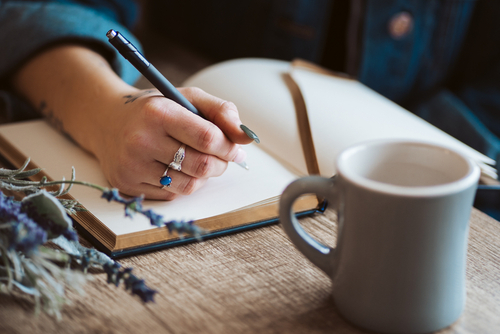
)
(240, 156)
(250, 133)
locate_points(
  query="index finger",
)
(194, 131)
(223, 114)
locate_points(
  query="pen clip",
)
(126, 49)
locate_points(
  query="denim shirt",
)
(445, 68)
(439, 70)
(28, 27)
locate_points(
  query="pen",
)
(130, 52)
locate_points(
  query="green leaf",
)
(54, 255)
(48, 205)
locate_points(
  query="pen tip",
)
(244, 165)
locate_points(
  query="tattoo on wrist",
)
(53, 119)
(132, 97)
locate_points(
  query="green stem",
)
(53, 183)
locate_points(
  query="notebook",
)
(304, 118)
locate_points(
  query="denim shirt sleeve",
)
(28, 27)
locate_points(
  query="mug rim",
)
(470, 178)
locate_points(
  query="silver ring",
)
(165, 180)
(178, 157)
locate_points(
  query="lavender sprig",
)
(134, 205)
(131, 206)
(117, 274)
(26, 264)
(22, 232)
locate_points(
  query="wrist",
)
(76, 89)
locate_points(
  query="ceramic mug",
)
(403, 211)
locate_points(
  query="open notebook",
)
(341, 112)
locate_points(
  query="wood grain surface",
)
(252, 282)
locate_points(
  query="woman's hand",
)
(137, 147)
(134, 134)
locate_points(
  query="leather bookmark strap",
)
(301, 110)
(303, 125)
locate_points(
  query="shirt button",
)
(400, 25)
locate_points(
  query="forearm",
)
(75, 88)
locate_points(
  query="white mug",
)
(403, 210)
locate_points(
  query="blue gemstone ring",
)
(165, 180)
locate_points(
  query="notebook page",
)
(344, 112)
(264, 103)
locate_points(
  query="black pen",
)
(130, 52)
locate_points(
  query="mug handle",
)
(320, 255)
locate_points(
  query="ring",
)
(165, 180)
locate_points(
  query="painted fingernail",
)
(250, 133)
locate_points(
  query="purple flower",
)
(112, 195)
(146, 294)
(25, 235)
(134, 205)
(70, 235)
(116, 274)
(183, 227)
(154, 218)
(131, 206)
(123, 275)
(86, 258)
(137, 287)
(112, 270)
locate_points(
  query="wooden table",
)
(252, 282)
